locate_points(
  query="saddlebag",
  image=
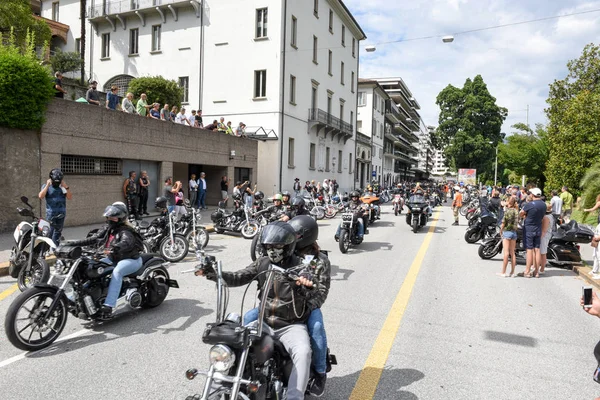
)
(157, 291)
(226, 332)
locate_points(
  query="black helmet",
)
(298, 203)
(259, 195)
(161, 202)
(116, 210)
(56, 175)
(278, 233)
(237, 196)
(307, 230)
(354, 193)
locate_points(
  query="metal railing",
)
(392, 108)
(316, 114)
(118, 7)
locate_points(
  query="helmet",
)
(369, 188)
(161, 202)
(56, 175)
(116, 210)
(298, 203)
(216, 216)
(307, 230)
(278, 196)
(286, 193)
(237, 196)
(282, 234)
(354, 193)
(259, 195)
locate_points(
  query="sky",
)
(517, 63)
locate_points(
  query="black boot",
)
(317, 385)
(105, 312)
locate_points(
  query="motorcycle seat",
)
(571, 225)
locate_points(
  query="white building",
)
(439, 163)
(286, 68)
(370, 121)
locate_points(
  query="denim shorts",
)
(509, 235)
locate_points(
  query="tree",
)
(17, 15)
(158, 90)
(591, 187)
(65, 61)
(26, 87)
(574, 121)
(469, 120)
(525, 152)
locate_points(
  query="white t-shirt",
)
(191, 119)
(180, 119)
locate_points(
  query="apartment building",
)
(372, 99)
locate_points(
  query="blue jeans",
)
(201, 198)
(316, 331)
(361, 228)
(170, 209)
(56, 227)
(123, 268)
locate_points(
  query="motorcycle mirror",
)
(25, 200)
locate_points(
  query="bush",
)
(26, 87)
(65, 62)
(157, 89)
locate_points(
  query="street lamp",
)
(370, 49)
(496, 167)
(448, 39)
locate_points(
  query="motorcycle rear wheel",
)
(34, 319)
(38, 273)
(176, 251)
(159, 274)
(344, 241)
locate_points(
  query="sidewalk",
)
(585, 269)
(77, 232)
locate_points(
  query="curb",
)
(583, 271)
(4, 265)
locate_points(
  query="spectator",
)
(547, 225)
(192, 119)
(229, 129)
(112, 98)
(130, 193)
(224, 188)
(297, 187)
(56, 192)
(127, 104)
(533, 211)
(508, 232)
(241, 130)
(165, 115)
(60, 92)
(596, 207)
(457, 204)
(595, 272)
(199, 119)
(202, 191)
(181, 118)
(567, 204)
(142, 105)
(169, 192)
(174, 114)
(221, 125)
(144, 183)
(211, 127)
(92, 95)
(179, 207)
(193, 188)
(155, 111)
(238, 188)
(556, 204)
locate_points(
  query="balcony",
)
(391, 111)
(401, 127)
(140, 8)
(335, 126)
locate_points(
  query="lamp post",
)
(496, 166)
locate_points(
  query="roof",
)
(364, 35)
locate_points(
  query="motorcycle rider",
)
(288, 305)
(356, 206)
(122, 246)
(285, 197)
(297, 208)
(258, 200)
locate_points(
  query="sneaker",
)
(337, 238)
(317, 385)
(455, 223)
(366, 232)
(596, 276)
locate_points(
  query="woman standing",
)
(508, 230)
(596, 207)
(547, 225)
(143, 184)
(127, 104)
(174, 111)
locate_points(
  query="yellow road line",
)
(367, 382)
(9, 291)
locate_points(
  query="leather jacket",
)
(126, 242)
(287, 303)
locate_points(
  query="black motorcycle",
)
(79, 285)
(418, 212)
(237, 220)
(189, 226)
(246, 363)
(485, 226)
(349, 230)
(160, 236)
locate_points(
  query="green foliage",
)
(525, 152)
(16, 14)
(469, 119)
(65, 61)
(574, 121)
(591, 187)
(157, 89)
(26, 87)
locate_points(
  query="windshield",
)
(416, 198)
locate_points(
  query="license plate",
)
(172, 283)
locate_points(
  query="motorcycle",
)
(160, 237)
(235, 221)
(417, 215)
(349, 231)
(373, 203)
(79, 286)
(485, 226)
(189, 226)
(32, 241)
(246, 363)
(398, 204)
(314, 207)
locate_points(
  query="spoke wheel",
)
(176, 250)
(250, 229)
(197, 239)
(344, 241)
(38, 273)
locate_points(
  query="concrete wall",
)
(20, 153)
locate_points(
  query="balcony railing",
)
(392, 110)
(322, 117)
(119, 7)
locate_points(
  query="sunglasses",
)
(274, 246)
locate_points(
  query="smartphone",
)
(587, 296)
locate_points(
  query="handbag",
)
(226, 332)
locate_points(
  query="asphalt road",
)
(464, 332)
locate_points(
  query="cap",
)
(536, 192)
(93, 83)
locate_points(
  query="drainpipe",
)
(201, 72)
(281, 125)
(356, 115)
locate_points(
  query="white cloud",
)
(517, 63)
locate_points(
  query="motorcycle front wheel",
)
(256, 249)
(472, 235)
(318, 212)
(415, 225)
(197, 239)
(463, 210)
(330, 211)
(174, 251)
(250, 229)
(38, 273)
(26, 325)
(344, 241)
(487, 251)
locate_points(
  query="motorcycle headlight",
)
(46, 231)
(221, 357)
(416, 209)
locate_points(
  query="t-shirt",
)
(224, 186)
(113, 100)
(510, 219)
(180, 119)
(535, 210)
(169, 195)
(556, 204)
(165, 114)
(199, 120)
(56, 201)
(92, 94)
(58, 82)
(567, 200)
(141, 107)
(155, 113)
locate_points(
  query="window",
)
(329, 62)
(313, 98)
(294, 32)
(184, 82)
(362, 99)
(105, 45)
(133, 40)
(316, 8)
(342, 111)
(343, 36)
(350, 163)
(293, 89)
(315, 46)
(80, 165)
(329, 95)
(261, 23)
(339, 161)
(353, 47)
(358, 125)
(351, 117)
(78, 45)
(342, 73)
(260, 84)
(331, 21)
(352, 82)
(290, 152)
(327, 156)
(313, 150)
(55, 7)
(375, 101)
(155, 37)
(135, 4)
